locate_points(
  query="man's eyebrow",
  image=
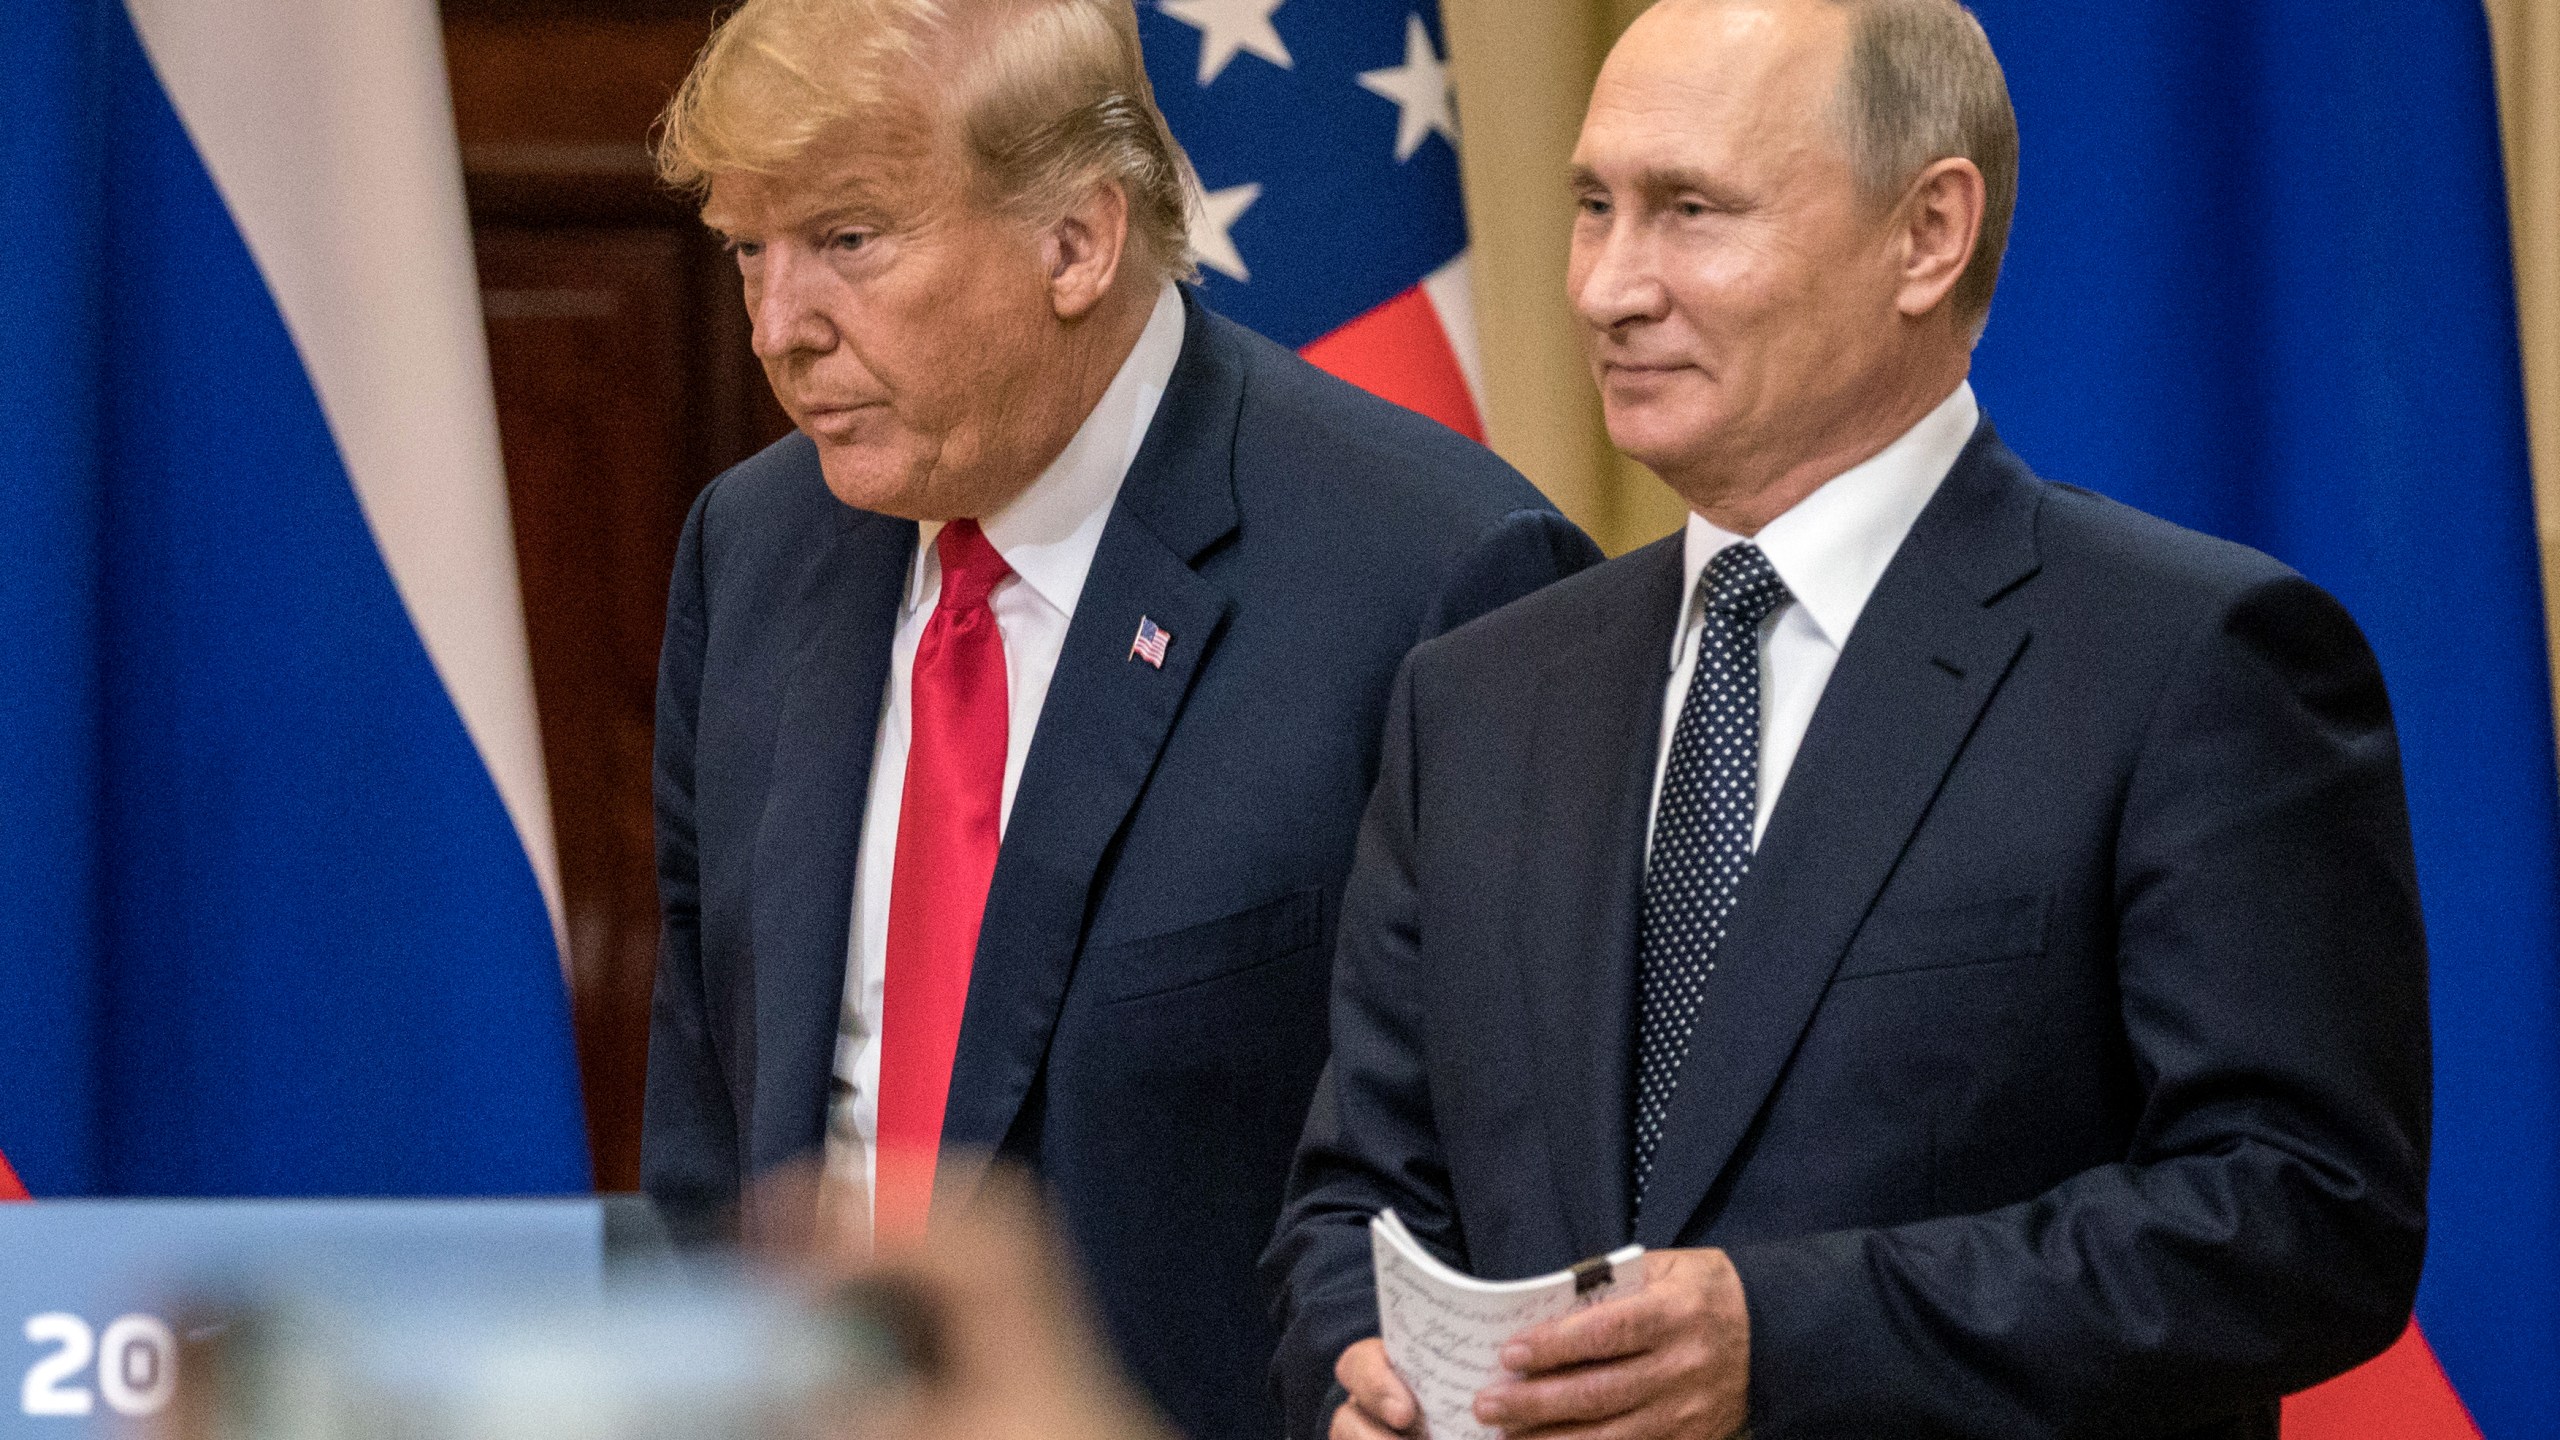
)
(1681, 179)
(1656, 182)
(849, 201)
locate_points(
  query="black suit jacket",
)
(2064, 1070)
(1146, 1012)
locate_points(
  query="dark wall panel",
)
(618, 349)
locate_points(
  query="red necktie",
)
(948, 827)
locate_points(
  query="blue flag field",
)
(2261, 284)
(272, 843)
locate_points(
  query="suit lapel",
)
(1599, 714)
(1106, 719)
(812, 823)
(1928, 654)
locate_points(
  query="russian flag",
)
(278, 912)
(2261, 284)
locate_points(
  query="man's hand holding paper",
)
(1447, 1339)
(1671, 1358)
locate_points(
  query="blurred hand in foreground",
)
(1010, 1349)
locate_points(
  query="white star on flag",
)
(1227, 26)
(1420, 88)
(1212, 213)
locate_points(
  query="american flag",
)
(1149, 646)
(1329, 216)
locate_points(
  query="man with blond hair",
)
(1015, 714)
(1964, 928)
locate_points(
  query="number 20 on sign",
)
(136, 1360)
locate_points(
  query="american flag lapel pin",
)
(1149, 646)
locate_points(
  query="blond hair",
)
(1047, 98)
(1921, 85)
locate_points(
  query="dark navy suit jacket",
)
(1146, 1014)
(2064, 1070)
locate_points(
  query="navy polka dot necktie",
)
(1701, 830)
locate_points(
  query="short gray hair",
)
(1921, 85)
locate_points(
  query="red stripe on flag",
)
(1400, 352)
(10, 1189)
(2401, 1394)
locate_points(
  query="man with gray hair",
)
(1015, 715)
(1965, 928)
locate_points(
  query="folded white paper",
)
(1444, 1329)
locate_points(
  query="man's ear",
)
(1938, 225)
(1082, 250)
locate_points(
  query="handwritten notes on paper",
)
(1444, 1328)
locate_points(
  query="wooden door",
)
(617, 343)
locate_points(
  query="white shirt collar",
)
(1049, 533)
(1833, 546)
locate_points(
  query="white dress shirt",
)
(1830, 549)
(1048, 535)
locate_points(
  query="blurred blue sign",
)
(89, 1288)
